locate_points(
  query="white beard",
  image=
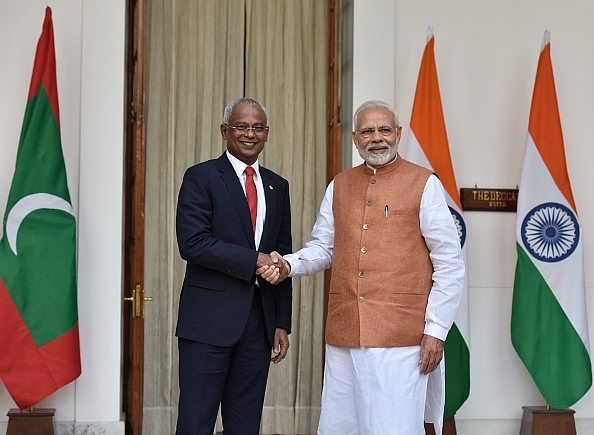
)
(377, 160)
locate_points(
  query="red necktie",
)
(251, 195)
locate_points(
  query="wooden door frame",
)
(334, 92)
(333, 109)
(133, 350)
(135, 185)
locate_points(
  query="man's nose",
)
(376, 136)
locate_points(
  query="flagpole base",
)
(38, 422)
(449, 427)
(537, 420)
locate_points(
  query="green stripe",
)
(41, 279)
(545, 339)
(40, 162)
(457, 372)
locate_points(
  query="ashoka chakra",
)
(550, 232)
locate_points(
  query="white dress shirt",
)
(239, 167)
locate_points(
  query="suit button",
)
(251, 289)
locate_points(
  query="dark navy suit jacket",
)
(215, 237)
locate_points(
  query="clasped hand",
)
(272, 267)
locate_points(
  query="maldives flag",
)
(427, 146)
(39, 328)
(549, 327)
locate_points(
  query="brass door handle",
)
(138, 300)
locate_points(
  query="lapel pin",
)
(270, 187)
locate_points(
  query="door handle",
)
(138, 299)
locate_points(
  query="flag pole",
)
(559, 287)
(39, 314)
(428, 146)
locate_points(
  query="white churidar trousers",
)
(379, 391)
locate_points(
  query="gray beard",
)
(377, 160)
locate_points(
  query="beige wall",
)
(486, 55)
(89, 42)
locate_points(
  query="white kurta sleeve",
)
(441, 237)
(316, 255)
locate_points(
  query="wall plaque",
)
(478, 199)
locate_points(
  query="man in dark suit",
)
(228, 320)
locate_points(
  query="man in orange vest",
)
(397, 277)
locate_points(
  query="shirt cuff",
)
(292, 259)
(434, 330)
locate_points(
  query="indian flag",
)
(549, 327)
(427, 146)
(39, 340)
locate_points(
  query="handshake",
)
(272, 267)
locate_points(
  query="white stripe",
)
(565, 278)
(536, 184)
(415, 153)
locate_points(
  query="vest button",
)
(368, 203)
(372, 181)
(361, 298)
(364, 250)
(361, 274)
(365, 227)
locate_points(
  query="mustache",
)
(377, 145)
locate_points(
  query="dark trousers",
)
(233, 377)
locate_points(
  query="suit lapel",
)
(270, 192)
(233, 185)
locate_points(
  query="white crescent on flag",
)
(29, 204)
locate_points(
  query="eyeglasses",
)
(258, 130)
(383, 130)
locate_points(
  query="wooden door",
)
(134, 297)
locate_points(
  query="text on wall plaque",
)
(478, 199)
